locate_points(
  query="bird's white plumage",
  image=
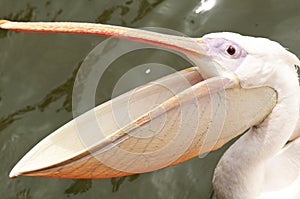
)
(282, 173)
(259, 164)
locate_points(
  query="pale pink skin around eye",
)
(217, 50)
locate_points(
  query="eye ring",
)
(231, 50)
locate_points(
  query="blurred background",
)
(37, 72)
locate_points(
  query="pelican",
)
(252, 80)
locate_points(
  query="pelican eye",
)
(231, 50)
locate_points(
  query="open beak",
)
(156, 125)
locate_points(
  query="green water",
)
(37, 73)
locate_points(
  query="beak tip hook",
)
(3, 21)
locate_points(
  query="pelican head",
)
(251, 57)
(222, 93)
